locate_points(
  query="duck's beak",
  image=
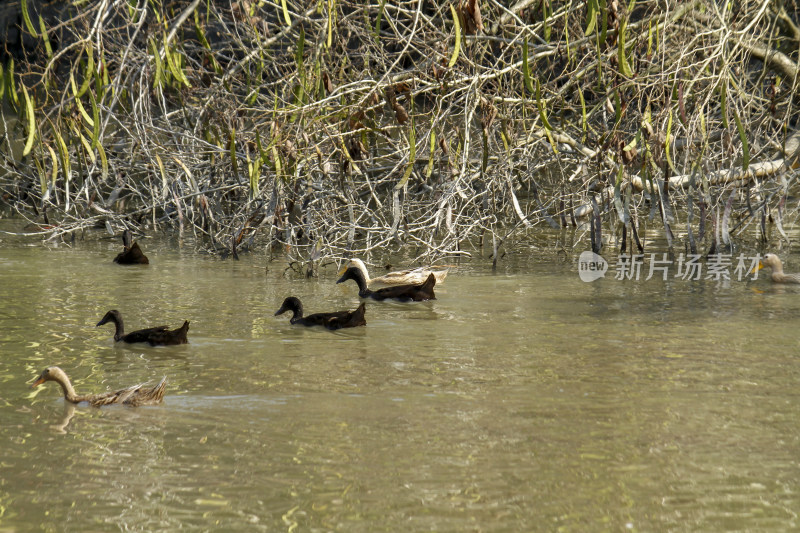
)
(38, 382)
(756, 268)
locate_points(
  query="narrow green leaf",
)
(429, 170)
(286, 16)
(158, 77)
(624, 67)
(54, 173)
(12, 87)
(103, 161)
(329, 40)
(668, 142)
(378, 20)
(47, 46)
(64, 153)
(95, 121)
(526, 68)
(27, 18)
(743, 139)
(723, 102)
(543, 116)
(90, 73)
(31, 122)
(591, 16)
(584, 121)
(457, 46)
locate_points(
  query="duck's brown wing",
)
(406, 293)
(143, 335)
(170, 337)
(132, 256)
(133, 396)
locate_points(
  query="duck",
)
(778, 276)
(133, 396)
(131, 253)
(411, 276)
(158, 335)
(335, 320)
(404, 293)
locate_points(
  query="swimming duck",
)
(133, 396)
(404, 293)
(778, 276)
(335, 320)
(154, 336)
(411, 276)
(131, 254)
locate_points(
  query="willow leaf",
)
(54, 173)
(457, 46)
(624, 67)
(378, 20)
(723, 101)
(668, 142)
(526, 68)
(329, 40)
(27, 18)
(743, 139)
(429, 170)
(95, 120)
(64, 153)
(103, 161)
(47, 46)
(285, 9)
(31, 122)
(591, 16)
(547, 127)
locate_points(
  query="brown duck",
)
(158, 335)
(778, 276)
(404, 293)
(133, 396)
(334, 320)
(131, 253)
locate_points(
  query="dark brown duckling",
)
(131, 254)
(159, 335)
(404, 293)
(335, 320)
(133, 396)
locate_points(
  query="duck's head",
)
(51, 373)
(355, 274)
(772, 261)
(290, 304)
(111, 316)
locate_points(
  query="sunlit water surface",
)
(521, 400)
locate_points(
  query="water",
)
(525, 400)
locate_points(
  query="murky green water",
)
(526, 400)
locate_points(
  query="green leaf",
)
(378, 20)
(48, 48)
(286, 16)
(329, 40)
(27, 18)
(624, 67)
(668, 141)
(31, 122)
(95, 121)
(591, 16)
(723, 97)
(526, 68)
(457, 46)
(547, 127)
(743, 139)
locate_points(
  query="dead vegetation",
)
(333, 128)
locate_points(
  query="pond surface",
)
(522, 400)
